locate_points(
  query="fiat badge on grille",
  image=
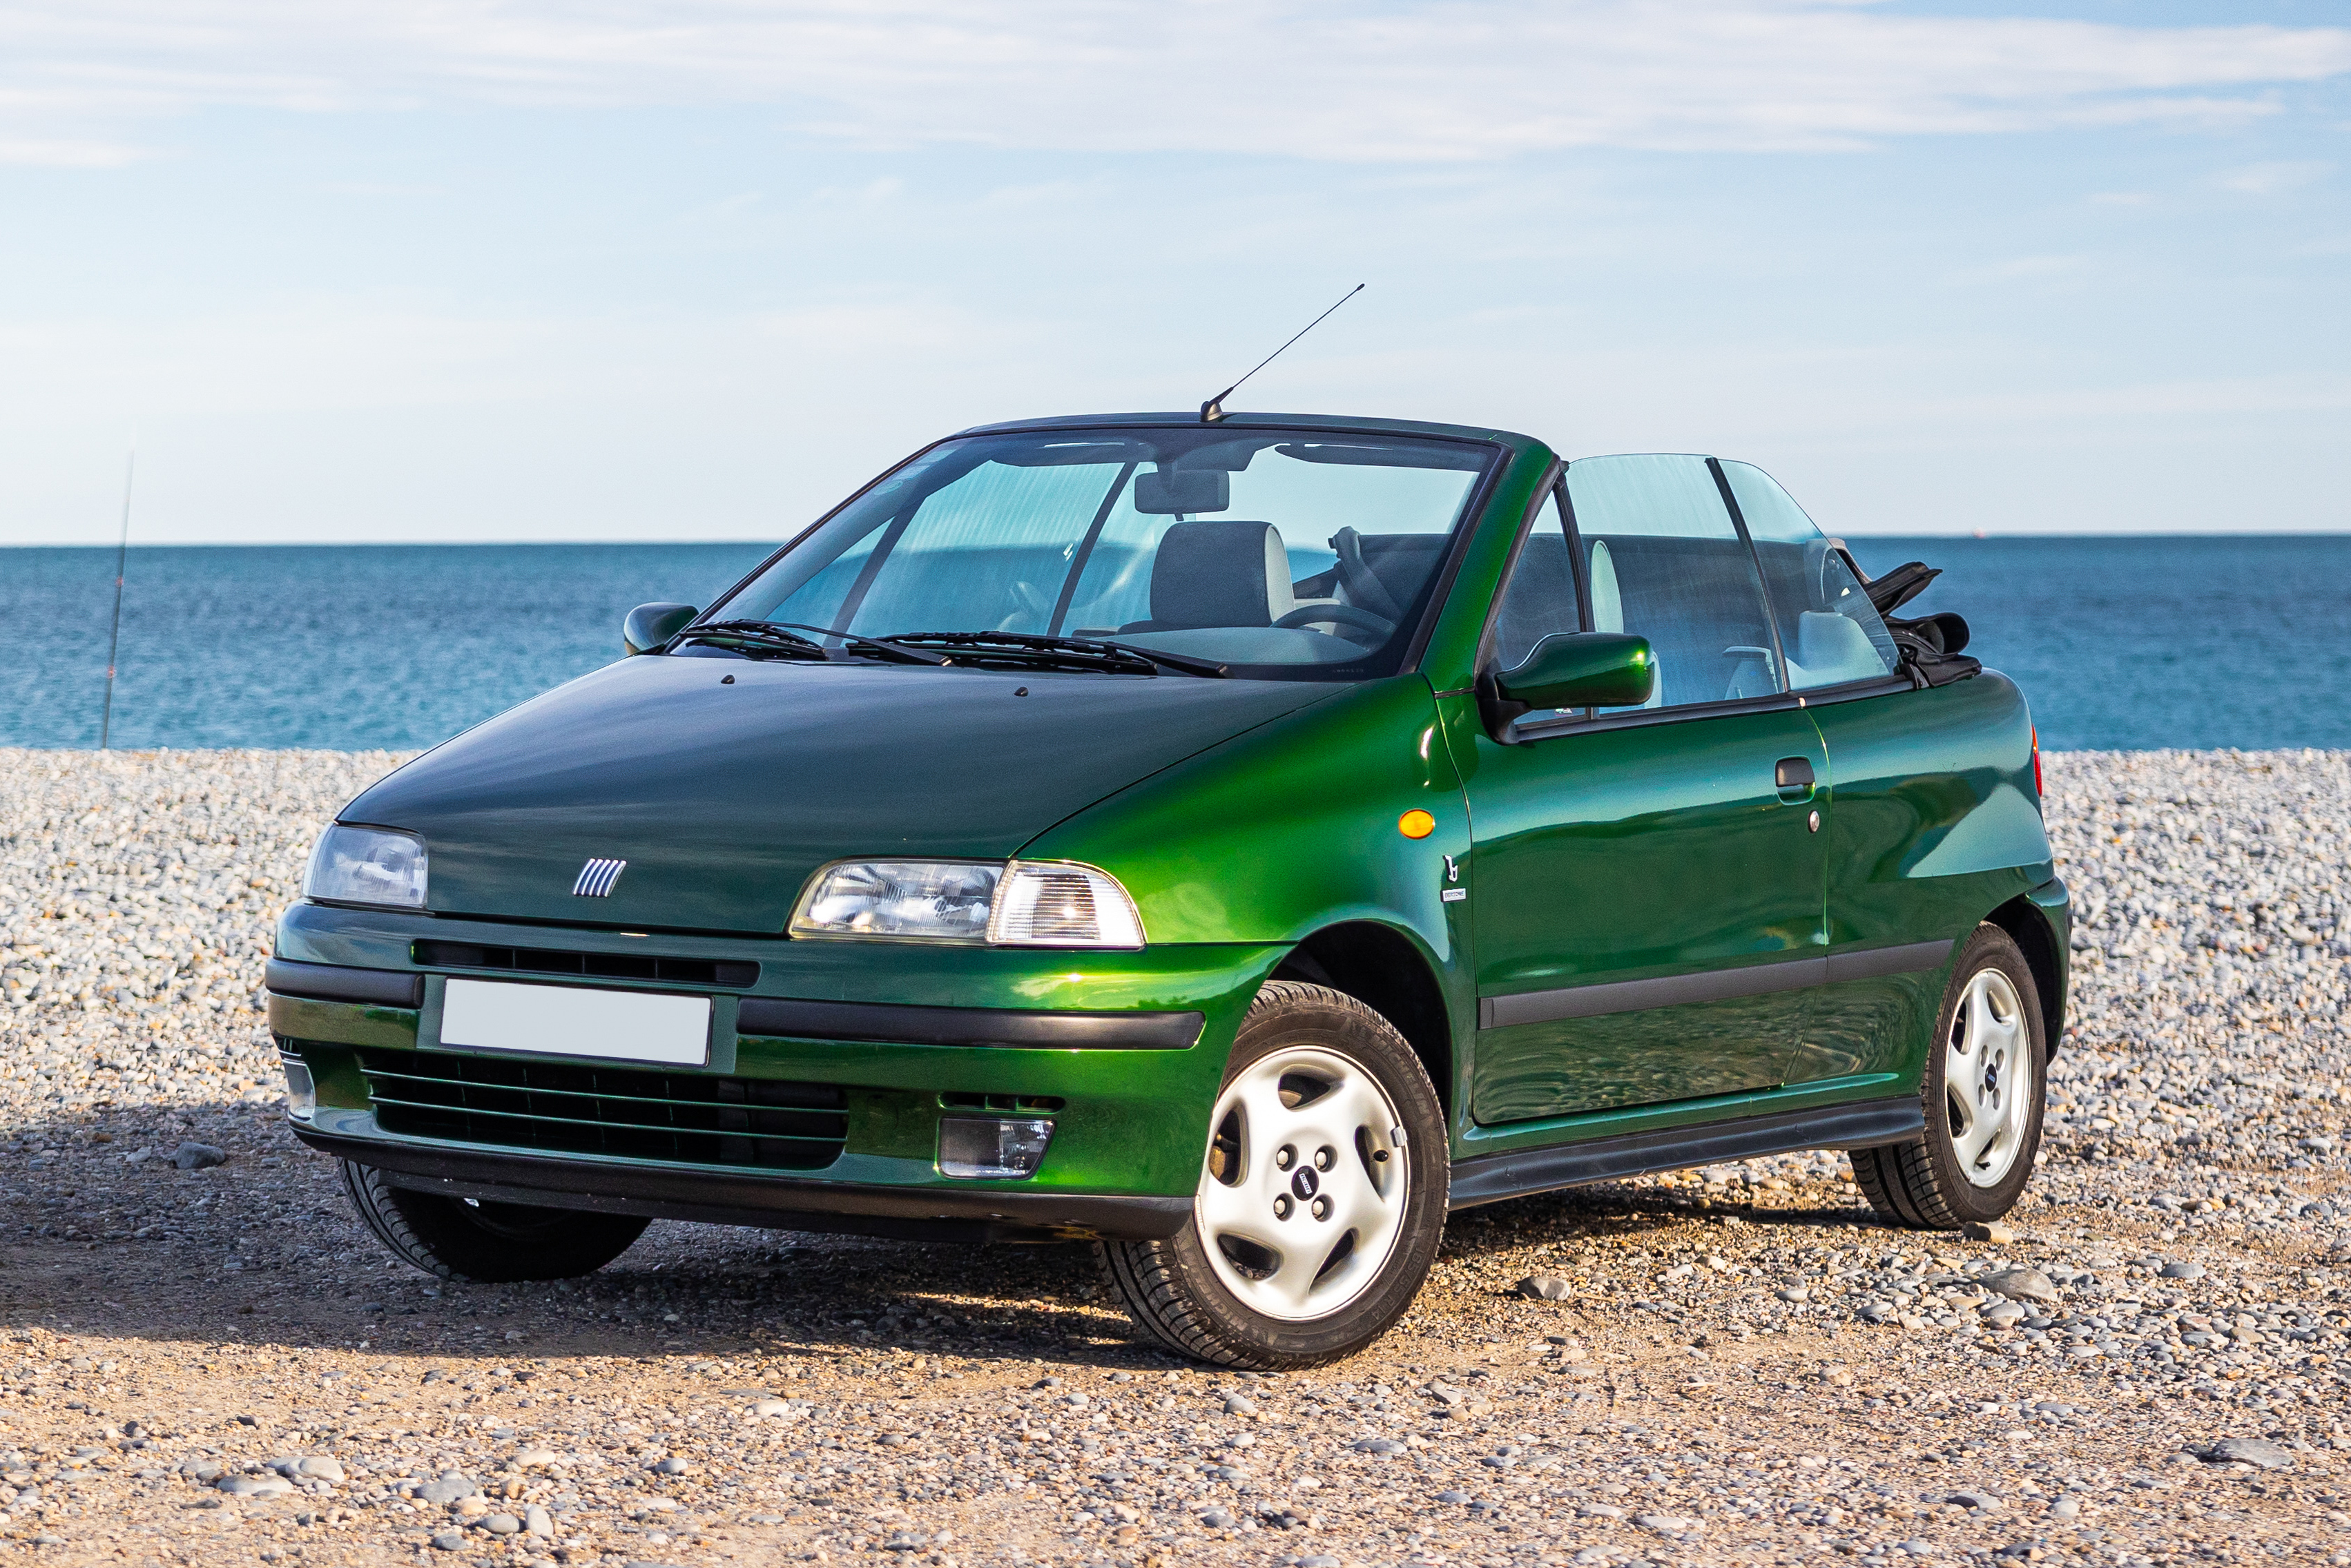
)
(597, 877)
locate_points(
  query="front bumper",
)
(966, 1212)
(1123, 1050)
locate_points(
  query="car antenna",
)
(1214, 409)
(114, 637)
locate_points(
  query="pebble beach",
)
(204, 1359)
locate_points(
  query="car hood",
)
(724, 797)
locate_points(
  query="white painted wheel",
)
(1989, 1079)
(1303, 1192)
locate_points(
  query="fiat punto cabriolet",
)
(1237, 842)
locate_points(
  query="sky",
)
(695, 269)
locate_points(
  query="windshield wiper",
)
(763, 636)
(1073, 653)
(887, 645)
(783, 637)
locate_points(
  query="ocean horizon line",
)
(725, 541)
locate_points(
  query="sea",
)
(2119, 643)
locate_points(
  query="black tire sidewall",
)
(449, 1238)
(1988, 947)
(1285, 1017)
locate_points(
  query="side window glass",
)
(1665, 561)
(1830, 630)
(1539, 597)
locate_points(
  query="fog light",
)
(982, 1148)
(302, 1094)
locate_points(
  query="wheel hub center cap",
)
(1303, 1183)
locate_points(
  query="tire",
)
(1989, 1026)
(1314, 1079)
(493, 1243)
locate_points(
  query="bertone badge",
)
(597, 877)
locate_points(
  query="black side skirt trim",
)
(775, 1203)
(1711, 986)
(882, 1022)
(334, 983)
(1863, 1124)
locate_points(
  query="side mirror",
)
(1582, 669)
(649, 625)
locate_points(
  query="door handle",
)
(1792, 773)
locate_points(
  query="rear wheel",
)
(458, 1238)
(1983, 1093)
(1321, 1194)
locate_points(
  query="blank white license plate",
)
(569, 1021)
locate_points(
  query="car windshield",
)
(1283, 553)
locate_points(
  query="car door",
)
(1928, 819)
(1645, 884)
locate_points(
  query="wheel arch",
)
(2029, 929)
(1386, 970)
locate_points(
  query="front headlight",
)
(1020, 904)
(940, 901)
(367, 866)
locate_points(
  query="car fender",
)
(1294, 827)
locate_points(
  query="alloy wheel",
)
(1989, 1079)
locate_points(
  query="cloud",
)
(1405, 80)
(2271, 178)
(64, 153)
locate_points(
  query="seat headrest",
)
(1220, 572)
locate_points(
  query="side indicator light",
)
(1416, 824)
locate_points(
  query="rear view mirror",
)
(651, 625)
(1185, 491)
(1582, 669)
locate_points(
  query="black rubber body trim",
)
(1876, 963)
(888, 1024)
(333, 983)
(1639, 996)
(1863, 1124)
(772, 1202)
(1710, 986)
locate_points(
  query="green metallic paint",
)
(1245, 818)
(354, 1023)
(1451, 661)
(723, 799)
(1135, 1120)
(648, 626)
(1583, 669)
(2055, 905)
(1635, 852)
(1313, 802)
(1931, 825)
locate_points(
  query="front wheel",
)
(495, 1243)
(1321, 1196)
(1983, 1093)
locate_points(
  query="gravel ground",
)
(214, 1364)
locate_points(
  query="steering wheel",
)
(1362, 585)
(1341, 615)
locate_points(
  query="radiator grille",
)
(729, 973)
(583, 1108)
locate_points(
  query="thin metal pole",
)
(114, 638)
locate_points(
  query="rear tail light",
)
(2037, 790)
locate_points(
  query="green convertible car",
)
(1234, 840)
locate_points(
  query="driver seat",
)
(1217, 571)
